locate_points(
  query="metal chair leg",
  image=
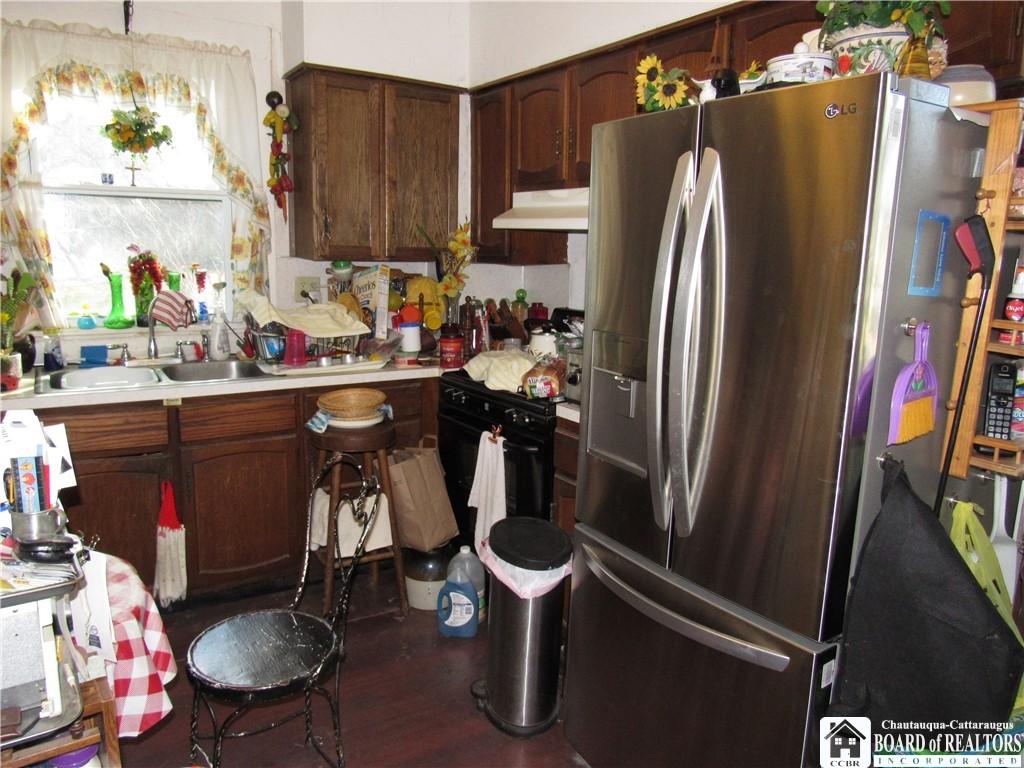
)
(220, 733)
(193, 733)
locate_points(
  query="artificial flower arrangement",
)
(281, 121)
(135, 131)
(147, 277)
(658, 90)
(14, 300)
(452, 260)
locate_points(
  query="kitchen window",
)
(177, 210)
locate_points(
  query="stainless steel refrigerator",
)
(753, 267)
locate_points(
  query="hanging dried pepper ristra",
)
(281, 121)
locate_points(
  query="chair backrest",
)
(369, 487)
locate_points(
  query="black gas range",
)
(467, 409)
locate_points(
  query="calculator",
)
(999, 406)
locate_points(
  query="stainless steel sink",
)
(228, 370)
(104, 377)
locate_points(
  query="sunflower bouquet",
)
(452, 260)
(135, 131)
(658, 90)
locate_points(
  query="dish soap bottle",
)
(520, 308)
(220, 341)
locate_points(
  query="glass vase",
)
(116, 318)
(451, 309)
(145, 296)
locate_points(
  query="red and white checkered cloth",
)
(145, 662)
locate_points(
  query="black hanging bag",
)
(921, 641)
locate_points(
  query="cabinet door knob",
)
(558, 142)
(572, 142)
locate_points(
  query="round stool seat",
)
(270, 652)
(360, 440)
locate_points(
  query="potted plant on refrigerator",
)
(872, 36)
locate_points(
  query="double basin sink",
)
(120, 377)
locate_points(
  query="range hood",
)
(564, 210)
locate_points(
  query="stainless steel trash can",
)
(520, 693)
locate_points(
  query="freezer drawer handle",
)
(677, 212)
(699, 633)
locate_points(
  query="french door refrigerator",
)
(753, 267)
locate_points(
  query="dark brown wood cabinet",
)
(421, 168)
(539, 127)
(336, 166)
(769, 30)
(241, 513)
(239, 465)
(117, 503)
(566, 458)
(987, 33)
(373, 160)
(121, 455)
(601, 88)
(688, 48)
(490, 124)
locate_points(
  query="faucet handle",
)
(179, 348)
(125, 357)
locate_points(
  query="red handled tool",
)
(973, 238)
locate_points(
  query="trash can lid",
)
(531, 543)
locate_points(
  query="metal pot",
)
(543, 341)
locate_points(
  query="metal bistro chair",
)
(267, 654)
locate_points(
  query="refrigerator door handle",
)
(699, 633)
(677, 211)
(693, 347)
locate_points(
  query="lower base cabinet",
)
(239, 466)
(117, 503)
(240, 511)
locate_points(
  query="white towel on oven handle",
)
(488, 491)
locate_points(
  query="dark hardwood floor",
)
(405, 697)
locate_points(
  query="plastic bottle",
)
(220, 341)
(520, 309)
(457, 610)
(466, 567)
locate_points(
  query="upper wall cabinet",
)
(986, 33)
(600, 89)
(490, 118)
(539, 106)
(554, 112)
(688, 48)
(768, 31)
(421, 168)
(372, 159)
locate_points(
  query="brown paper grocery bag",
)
(422, 508)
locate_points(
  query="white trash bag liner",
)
(526, 583)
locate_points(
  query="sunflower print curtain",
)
(161, 73)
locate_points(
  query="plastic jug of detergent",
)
(466, 566)
(457, 609)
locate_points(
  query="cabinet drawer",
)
(221, 417)
(122, 428)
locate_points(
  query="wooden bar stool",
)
(371, 443)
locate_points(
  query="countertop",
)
(568, 411)
(25, 398)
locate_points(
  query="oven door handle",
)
(520, 448)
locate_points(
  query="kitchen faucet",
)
(151, 348)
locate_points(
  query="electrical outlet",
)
(309, 284)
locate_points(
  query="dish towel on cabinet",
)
(488, 491)
(171, 581)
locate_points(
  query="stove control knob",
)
(457, 397)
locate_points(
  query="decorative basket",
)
(352, 403)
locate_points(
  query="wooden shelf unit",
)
(995, 197)
(99, 721)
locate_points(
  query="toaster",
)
(573, 374)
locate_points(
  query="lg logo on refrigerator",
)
(836, 110)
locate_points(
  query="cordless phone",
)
(999, 406)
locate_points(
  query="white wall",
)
(510, 37)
